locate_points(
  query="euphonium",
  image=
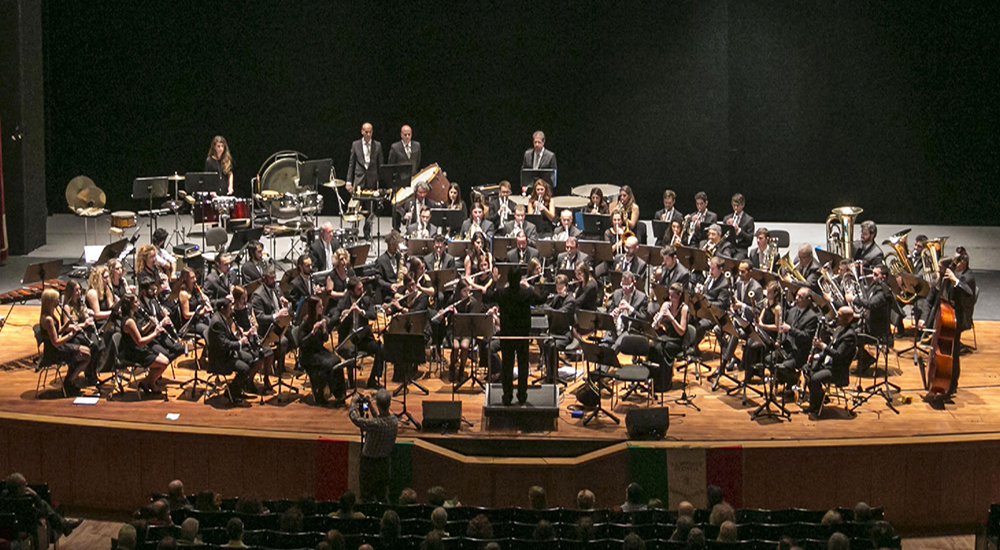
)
(930, 256)
(900, 261)
(840, 230)
(829, 286)
(769, 254)
(785, 266)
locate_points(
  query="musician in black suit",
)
(717, 245)
(701, 215)
(362, 168)
(270, 307)
(514, 303)
(518, 225)
(226, 353)
(561, 330)
(355, 311)
(538, 157)
(742, 224)
(301, 287)
(798, 329)
(476, 219)
(868, 251)
(521, 253)
(758, 255)
(716, 291)
(572, 255)
(628, 261)
(833, 361)
(253, 268)
(587, 291)
(439, 258)
(567, 227)
(406, 150)
(322, 249)
(671, 271)
(501, 207)
(422, 228)
(669, 213)
(409, 211)
(808, 267)
(219, 285)
(627, 301)
(958, 286)
(387, 268)
(876, 299)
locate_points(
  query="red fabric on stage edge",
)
(332, 465)
(724, 468)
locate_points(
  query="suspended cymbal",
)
(172, 205)
(74, 187)
(335, 183)
(175, 177)
(89, 197)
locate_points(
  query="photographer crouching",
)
(378, 436)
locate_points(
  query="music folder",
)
(528, 177)
(395, 175)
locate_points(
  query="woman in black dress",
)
(586, 290)
(671, 322)
(246, 325)
(134, 348)
(596, 204)
(315, 358)
(221, 162)
(79, 315)
(58, 343)
(462, 301)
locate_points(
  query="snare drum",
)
(310, 201)
(242, 209)
(205, 212)
(123, 219)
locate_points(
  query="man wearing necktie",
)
(406, 150)
(538, 157)
(363, 167)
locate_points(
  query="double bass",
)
(942, 363)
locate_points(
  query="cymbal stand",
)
(294, 251)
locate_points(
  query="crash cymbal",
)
(335, 183)
(89, 197)
(74, 187)
(353, 218)
(175, 177)
(172, 205)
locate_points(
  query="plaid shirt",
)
(380, 432)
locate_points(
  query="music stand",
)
(596, 224)
(599, 251)
(562, 319)
(458, 248)
(243, 237)
(550, 249)
(502, 245)
(202, 182)
(652, 255)
(42, 271)
(419, 247)
(920, 287)
(661, 228)
(272, 339)
(528, 177)
(442, 277)
(359, 254)
(592, 321)
(474, 326)
(407, 325)
(111, 251)
(313, 173)
(394, 176)
(447, 218)
(763, 277)
(542, 224)
(595, 354)
(695, 259)
(825, 257)
(149, 189)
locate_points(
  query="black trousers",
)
(816, 393)
(319, 366)
(373, 348)
(510, 348)
(373, 477)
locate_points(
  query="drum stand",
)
(297, 247)
(177, 236)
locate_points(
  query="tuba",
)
(929, 258)
(769, 254)
(899, 262)
(840, 230)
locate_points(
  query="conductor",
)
(514, 303)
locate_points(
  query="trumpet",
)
(691, 222)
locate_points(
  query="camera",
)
(365, 403)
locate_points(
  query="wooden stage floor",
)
(722, 421)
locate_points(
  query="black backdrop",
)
(801, 106)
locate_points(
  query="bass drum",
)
(280, 176)
(435, 179)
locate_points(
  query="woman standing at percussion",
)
(57, 345)
(596, 204)
(316, 359)
(541, 200)
(77, 314)
(246, 325)
(134, 348)
(455, 201)
(627, 206)
(100, 299)
(221, 162)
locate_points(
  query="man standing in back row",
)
(538, 157)
(406, 150)
(362, 169)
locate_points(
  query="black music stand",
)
(588, 322)
(474, 326)
(596, 354)
(825, 257)
(596, 224)
(42, 271)
(550, 249)
(599, 251)
(406, 330)
(661, 228)
(502, 245)
(149, 189)
(272, 338)
(359, 254)
(652, 255)
(763, 277)
(419, 247)
(313, 173)
(202, 182)
(659, 292)
(442, 277)
(528, 177)
(394, 176)
(112, 251)
(448, 219)
(560, 318)
(542, 224)
(458, 248)
(695, 259)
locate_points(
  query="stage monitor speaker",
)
(588, 396)
(442, 416)
(647, 424)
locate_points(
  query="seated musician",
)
(322, 249)
(229, 353)
(916, 255)
(478, 248)
(868, 251)
(501, 207)
(597, 204)
(614, 233)
(832, 362)
(342, 271)
(876, 299)
(540, 201)
(76, 313)
(117, 285)
(58, 345)
(533, 273)
(253, 269)
(387, 267)
(561, 331)
(319, 362)
(522, 252)
(715, 245)
(627, 301)
(746, 289)
(246, 324)
(798, 329)
(301, 286)
(149, 309)
(807, 266)
(461, 301)
(587, 291)
(355, 311)
(673, 235)
(745, 294)
(455, 201)
(760, 257)
(270, 307)
(743, 226)
(422, 228)
(409, 211)
(412, 297)
(137, 347)
(567, 260)
(166, 261)
(439, 258)
(477, 223)
(145, 261)
(480, 280)
(716, 291)
(99, 297)
(630, 211)
(669, 213)
(193, 305)
(671, 271)
(767, 327)
(957, 285)
(670, 323)
(628, 261)
(694, 233)
(219, 285)
(566, 228)
(519, 225)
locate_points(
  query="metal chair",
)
(123, 370)
(45, 364)
(638, 374)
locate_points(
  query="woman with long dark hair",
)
(220, 161)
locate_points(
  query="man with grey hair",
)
(17, 488)
(189, 533)
(379, 435)
(538, 157)
(176, 497)
(322, 249)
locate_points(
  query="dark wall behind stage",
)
(800, 106)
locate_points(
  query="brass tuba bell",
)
(840, 230)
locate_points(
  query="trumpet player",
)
(671, 271)
(743, 226)
(521, 253)
(501, 207)
(566, 228)
(567, 260)
(422, 228)
(519, 225)
(628, 261)
(541, 201)
(693, 232)
(868, 251)
(627, 301)
(668, 213)
(477, 224)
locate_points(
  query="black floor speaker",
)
(442, 416)
(647, 424)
